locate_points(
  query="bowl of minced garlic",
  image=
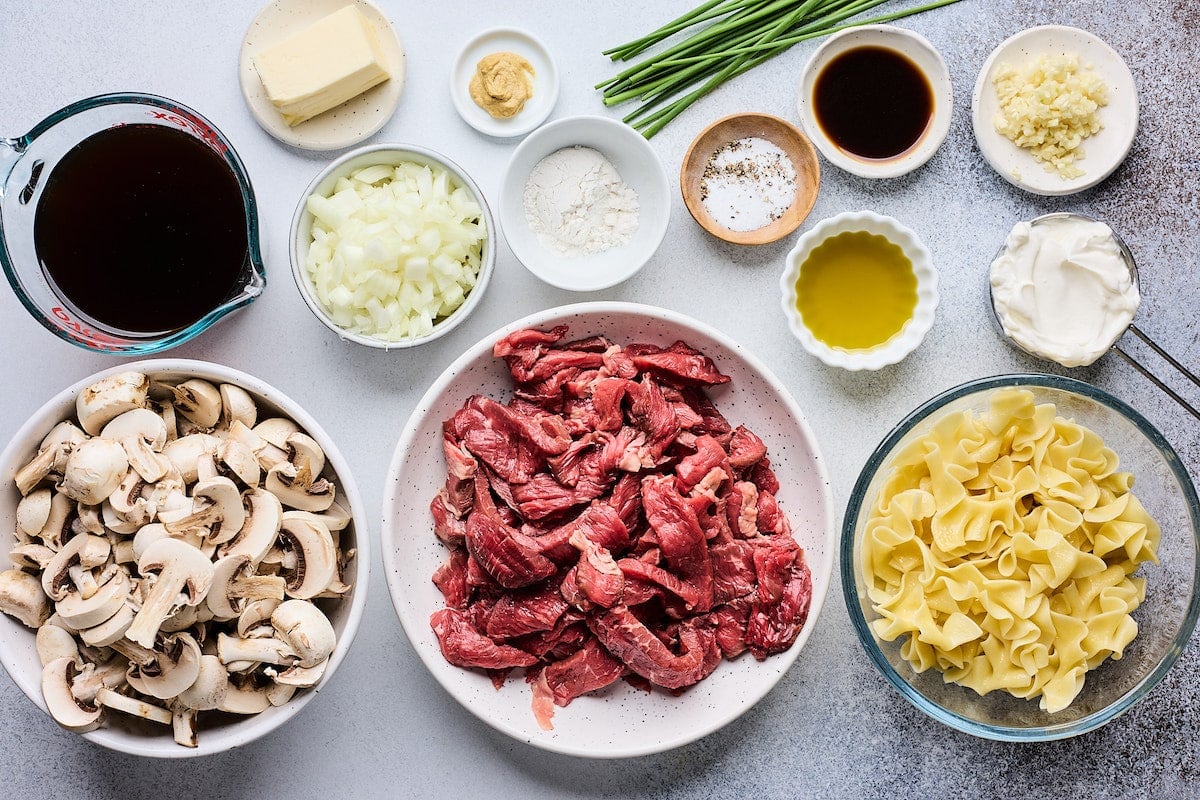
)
(504, 82)
(1054, 110)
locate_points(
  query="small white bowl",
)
(912, 334)
(217, 732)
(917, 49)
(301, 236)
(638, 167)
(545, 82)
(1103, 152)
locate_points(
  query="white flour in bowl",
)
(577, 204)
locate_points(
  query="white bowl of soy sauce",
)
(876, 100)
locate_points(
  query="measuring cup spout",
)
(10, 153)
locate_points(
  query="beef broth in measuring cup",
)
(127, 224)
(140, 228)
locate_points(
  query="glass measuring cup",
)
(26, 163)
(1127, 257)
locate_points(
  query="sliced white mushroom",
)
(89, 518)
(21, 596)
(143, 434)
(232, 650)
(105, 399)
(245, 698)
(283, 481)
(174, 669)
(33, 511)
(81, 613)
(335, 518)
(109, 631)
(31, 556)
(226, 502)
(260, 528)
(306, 630)
(254, 615)
(75, 716)
(199, 401)
(280, 693)
(235, 583)
(97, 675)
(239, 460)
(180, 568)
(301, 676)
(276, 431)
(40, 467)
(316, 560)
(107, 698)
(237, 405)
(54, 643)
(207, 692)
(185, 452)
(93, 471)
(56, 578)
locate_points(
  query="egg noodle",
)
(1003, 546)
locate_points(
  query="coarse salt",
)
(747, 184)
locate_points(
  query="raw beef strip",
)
(681, 365)
(597, 575)
(464, 646)
(729, 624)
(733, 570)
(446, 526)
(652, 415)
(508, 555)
(588, 669)
(770, 518)
(525, 611)
(693, 468)
(451, 579)
(774, 626)
(460, 475)
(679, 536)
(624, 635)
(745, 448)
(653, 575)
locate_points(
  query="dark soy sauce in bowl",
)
(142, 229)
(873, 103)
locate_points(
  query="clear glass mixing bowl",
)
(1165, 620)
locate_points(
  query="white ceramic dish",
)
(921, 52)
(343, 126)
(638, 167)
(545, 82)
(910, 336)
(217, 732)
(620, 721)
(1104, 152)
(301, 236)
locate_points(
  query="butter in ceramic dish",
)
(333, 60)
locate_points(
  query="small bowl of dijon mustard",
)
(504, 82)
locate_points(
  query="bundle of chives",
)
(735, 36)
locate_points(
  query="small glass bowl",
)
(1165, 620)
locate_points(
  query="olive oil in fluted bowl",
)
(859, 291)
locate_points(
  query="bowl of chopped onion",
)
(392, 245)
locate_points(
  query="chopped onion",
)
(394, 249)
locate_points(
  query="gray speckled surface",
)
(832, 727)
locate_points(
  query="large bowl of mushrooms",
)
(188, 566)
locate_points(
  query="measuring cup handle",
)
(10, 153)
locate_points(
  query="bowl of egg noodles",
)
(1019, 557)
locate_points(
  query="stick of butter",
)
(334, 59)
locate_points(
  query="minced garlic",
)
(1049, 107)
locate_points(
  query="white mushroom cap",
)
(234, 582)
(276, 431)
(240, 461)
(21, 596)
(233, 650)
(185, 452)
(105, 399)
(75, 716)
(137, 423)
(227, 500)
(283, 481)
(93, 471)
(306, 630)
(56, 578)
(245, 699)
(59, 520)
(110, 630)
(208, 690)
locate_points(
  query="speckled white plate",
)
(545, 82)
(1104, 151)
(619, 721)
(343, 126)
